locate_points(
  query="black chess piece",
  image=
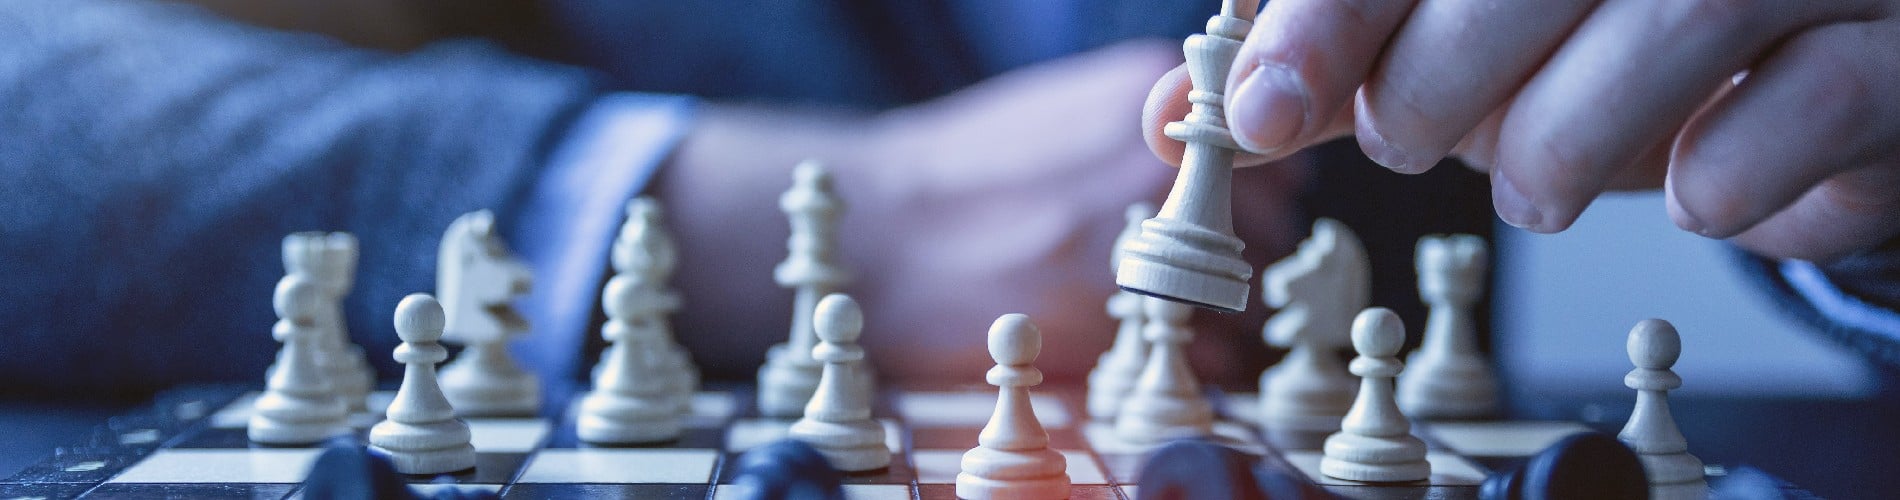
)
(1194, 469)
(1591, 465)
(788, 469)
(347, 470)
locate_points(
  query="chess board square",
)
(1101, 437)
(1501, 439)
(198, 491)
(851, 492)
(949, 492)
(711, 409)
(942, 466)
(1240, 406)
(490, 468)
(270, 465)
(507, 435)
(972, 409)
(631, 491)
(621, 466)
(429, 490)
(237, 414)
(749, 433)
(20, 491)
(1447, 469)
(77, 465)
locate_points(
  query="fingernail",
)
(1376, 148)
(1681, 216)
(1268, 109)
(1515, 208)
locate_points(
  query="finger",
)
(1633, 72)
(1167, 103)
(1439, 77)
(1850, 212)
(1817, 106)
(1301, 65)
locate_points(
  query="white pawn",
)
(811, 269)
(298, 406)
(1116, 371)
(1012, 458)
(1167, 403)
(1651, 432)
(634, 399)
(1446, 377)
(1375, 441)
(838, 420)
(422, 434)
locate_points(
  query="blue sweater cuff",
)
(612, 151)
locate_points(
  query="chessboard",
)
(192, 444)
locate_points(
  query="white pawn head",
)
(1014, 341)
(419, 318)
(811, 174)
(1654, 345)
(1136, 213)
(297, 299)
(1377, 333)
(837, 319)
(1166, 311)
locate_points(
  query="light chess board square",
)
(1240, 406)
(972, 409)
(1101, 436)
(851, 492)
(710, 409)
(507, 435)
(942, 466)
(1447, 470)
(429, 490)
(270, 465)
(621, 466)
(1501, 439)
(237, 415)
(749, 433)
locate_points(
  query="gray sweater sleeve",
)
(152, 156)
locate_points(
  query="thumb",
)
(1168, 103)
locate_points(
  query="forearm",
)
(155, 155)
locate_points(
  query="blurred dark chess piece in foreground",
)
(1584, 466)
(787, 469)
(349, 471)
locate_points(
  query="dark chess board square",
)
(193, 491)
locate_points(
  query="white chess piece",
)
(838, 420)
(421, 434)
(297, 406)
(1012, 459)
(1188, 251)
(477, 279)
(635, 399)
(1651, 432)
(644, 248)
(1375, 443)
(1317, 290)
(1446, 378)
(790, 375)
(1116, 371)
(329, 260)
(1166, 403)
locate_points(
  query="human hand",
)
(1003, 197)
(1562, 100)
